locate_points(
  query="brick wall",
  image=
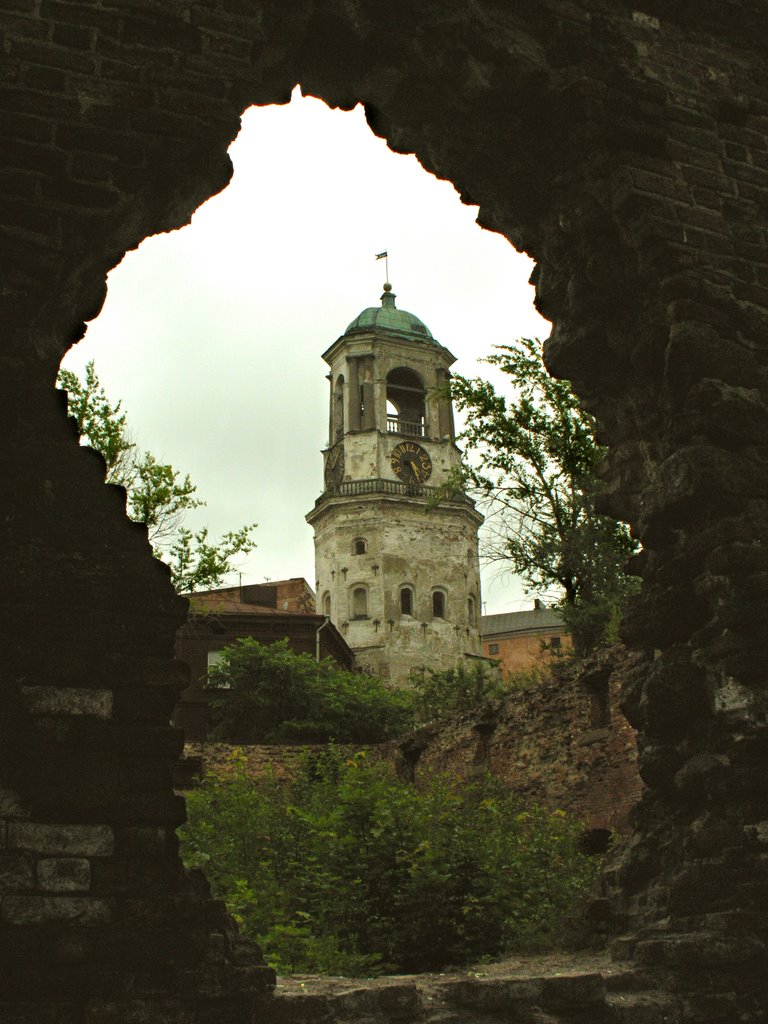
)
(625, 150)
(557, 743)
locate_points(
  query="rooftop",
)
(387, 317)
(520, 622)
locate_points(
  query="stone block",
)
(73, 946)
(574, 990)
(10, 806)
(67, 700)
(83, 910)
(64, 874)
(399, 1000)
(16, 872)
(142, 841)
(82, 840)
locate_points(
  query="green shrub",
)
(265, 693)
(349, 870)
(440, 694)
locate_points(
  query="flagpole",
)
(384, 256)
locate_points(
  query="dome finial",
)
(388, 297)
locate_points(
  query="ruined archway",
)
(625, 151)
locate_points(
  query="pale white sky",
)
(212, 335)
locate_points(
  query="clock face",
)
(411, 463)
(334, 466)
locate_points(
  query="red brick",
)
(74, 36)
(52, 56)
(46, 79)
(18, 6)
(30, 129)
(80, 14)
(39, 159)
(74, 193)
(121, 145)
(25, 214)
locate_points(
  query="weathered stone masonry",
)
(625, 150)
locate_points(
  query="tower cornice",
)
(366, 342)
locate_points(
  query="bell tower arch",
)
(400, 575)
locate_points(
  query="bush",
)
(265, 693)
(349, 870)
(439, 695)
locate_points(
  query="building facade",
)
(267, 612)
(397, 569)
(521, 640)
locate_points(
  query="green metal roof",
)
(388, 317)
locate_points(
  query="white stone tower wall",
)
(405, 546)
(367, 498)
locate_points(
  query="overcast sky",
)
(212, 335)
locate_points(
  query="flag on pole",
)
(385, 256)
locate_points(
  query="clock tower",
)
(396, 572)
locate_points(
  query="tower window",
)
(326, 603)
(405, 403)
(438, 604)
(406, 601)
(359, 546)
(471, 610)
(337, 418)
(359, 603)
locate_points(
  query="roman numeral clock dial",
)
(411, 463)
(334, 467)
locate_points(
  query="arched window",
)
(438, 604)
(326, 603)
(405, 403)
(406, 601)
(359, 546)
(471, 610)
(359, 603)
(338, 409)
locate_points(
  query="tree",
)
(441, 694)
(346, 869)
(534, 467)
(265, 693)
(157, 494)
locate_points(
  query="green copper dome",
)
(388, 317)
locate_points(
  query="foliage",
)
(441, 694)
(349, 870)
(535, 470)
(265, 693)
(157, 494)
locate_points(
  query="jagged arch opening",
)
(559, 124)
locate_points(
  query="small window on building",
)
(471, 610)
(359, 546)
(359, 603)
(493, 648)
(438, 604)
(215, 658)
(326, 603)
(406, 601)
(554, 641)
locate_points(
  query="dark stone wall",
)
(626, 151)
